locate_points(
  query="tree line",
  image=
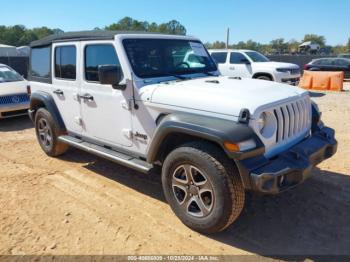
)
(19, 35)
(280, 46)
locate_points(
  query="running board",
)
(117, 157)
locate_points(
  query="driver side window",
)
(237, 58)
(96, 55)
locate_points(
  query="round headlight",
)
(267, 124)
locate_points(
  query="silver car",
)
(14, 98)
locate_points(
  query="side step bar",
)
(117, 157)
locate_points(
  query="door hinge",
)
(127, 133)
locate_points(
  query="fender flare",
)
(43, 99)
(212, 129)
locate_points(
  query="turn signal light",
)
(241, 146)
(232, 147)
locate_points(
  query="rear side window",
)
(316, 62)
(342, 62)
(96, 55)
(237, 58)
(40, 62)
(219, 57)
(325, 62)
(65, 62)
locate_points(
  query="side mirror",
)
(111, 75)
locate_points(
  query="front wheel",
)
(202, 187)
(266, 78)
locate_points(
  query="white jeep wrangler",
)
(134, 99)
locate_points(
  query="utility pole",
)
(228, 38)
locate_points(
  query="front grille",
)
(14, 99)
(292, 119)
(295, 71)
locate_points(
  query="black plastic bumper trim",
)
(292, 167)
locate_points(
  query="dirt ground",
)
(79, 204)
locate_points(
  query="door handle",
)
(232, 68)
(87, 97)
(58, 92)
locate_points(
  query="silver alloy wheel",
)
(45, 133)
(193, 191)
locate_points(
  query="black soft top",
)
(82, 35)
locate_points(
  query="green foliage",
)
(216, 45)
(129, 24)
(279, 46)
(339, 49)
(250, 44)
(19, 35)
(319, 39)
(293, 46)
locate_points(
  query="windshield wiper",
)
(178, 76)
(209, 74)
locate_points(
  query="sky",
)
(259, 20)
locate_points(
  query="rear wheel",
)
(202, 187)
(47, 134)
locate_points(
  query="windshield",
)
(257, 57)
(167, 57)
(8, 75)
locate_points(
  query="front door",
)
(66, 84)
(238, 65)
(105, 111)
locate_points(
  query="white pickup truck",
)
(148, 100)
(251, 64)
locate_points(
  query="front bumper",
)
(291, 79)
(292, 167)
(15, 109)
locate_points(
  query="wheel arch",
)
(176, 129)
(258, 74)
(45, 100)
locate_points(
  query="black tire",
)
(226, 200)
(267, 78)
(46, 126)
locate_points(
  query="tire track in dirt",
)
(107, 199)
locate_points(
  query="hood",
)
(224, 95)
(277, 65)
(9, 88)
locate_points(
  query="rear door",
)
(107, 115)
(66, 84)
